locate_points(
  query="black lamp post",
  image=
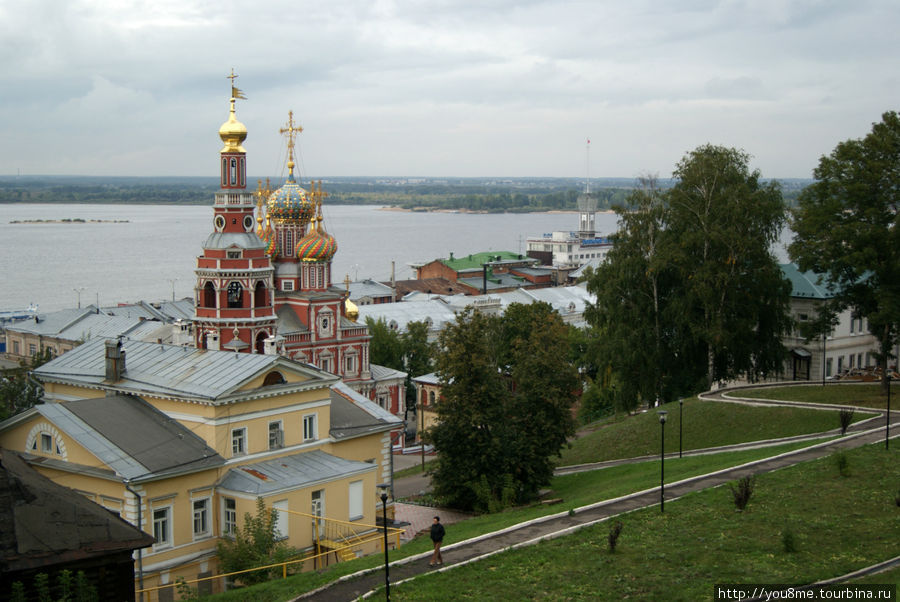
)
(680, 423)
(387, 569)
(887, 417)
(662, 460)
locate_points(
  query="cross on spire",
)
(290, 132)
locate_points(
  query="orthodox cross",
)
(290, 133)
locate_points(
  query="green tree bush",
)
(255, 544)
(846, 228)
(507, 396)
(691, 293)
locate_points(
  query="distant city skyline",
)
(457, 88)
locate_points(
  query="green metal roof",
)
(808, 285)
(476, 260)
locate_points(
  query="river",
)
(150, 254)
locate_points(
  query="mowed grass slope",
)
(839, 524)
(862, 395)
(706, 424)
(576, 490)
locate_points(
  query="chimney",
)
(115, 361)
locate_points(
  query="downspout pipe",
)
(141, 527)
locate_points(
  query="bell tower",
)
(234, 295)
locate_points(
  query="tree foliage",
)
(507, 395)
(691, 293)
(255, 544)
(18, 390)
(846, 228)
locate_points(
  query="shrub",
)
(255, 544)
(742, 492)
(613, 538)
(788, 542)
(846, 417)
(843, 463)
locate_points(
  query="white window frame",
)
(282, 519)
(47, 443)
(201, 513)
(278, 441)
(229, 517)
(310, 424)
(239, 435)
(355, 500)
(166, 526)
(287, 285)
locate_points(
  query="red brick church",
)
(264, 280)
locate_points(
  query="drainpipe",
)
(140, 526)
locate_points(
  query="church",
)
(264, 280)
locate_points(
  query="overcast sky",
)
(440, 87)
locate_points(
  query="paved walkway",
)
(364, 583)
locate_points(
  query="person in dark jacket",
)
(437, 536)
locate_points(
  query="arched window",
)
(261, 342)
(431, 398)
(233, 171)
(235, 295)
(273, 378)
(259, 297)
(209, 295)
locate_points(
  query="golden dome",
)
(233, 133)
(351, 309)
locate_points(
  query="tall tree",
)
(723, 222)
(691, 293)
(846, 227)
(506, 399)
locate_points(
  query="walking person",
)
(437, 536)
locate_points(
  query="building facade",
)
(182, 442)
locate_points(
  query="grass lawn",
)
(839, 524)
(890, 576)
(864, 395)
(576, 490)
(706, 424)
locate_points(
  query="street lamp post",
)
(662, 460)
(887, 417)
(680, 423)
(387, 569)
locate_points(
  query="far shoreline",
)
(474, 212)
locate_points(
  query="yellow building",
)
(181, 442)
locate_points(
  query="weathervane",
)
(235, 92)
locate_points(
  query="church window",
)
(209, 295)
(233, 254)
(287, 285)
(288, 241)
(235, 295)
(259, 297)
(233, 171)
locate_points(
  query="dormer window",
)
(233, 254)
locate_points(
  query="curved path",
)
(364, 583)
